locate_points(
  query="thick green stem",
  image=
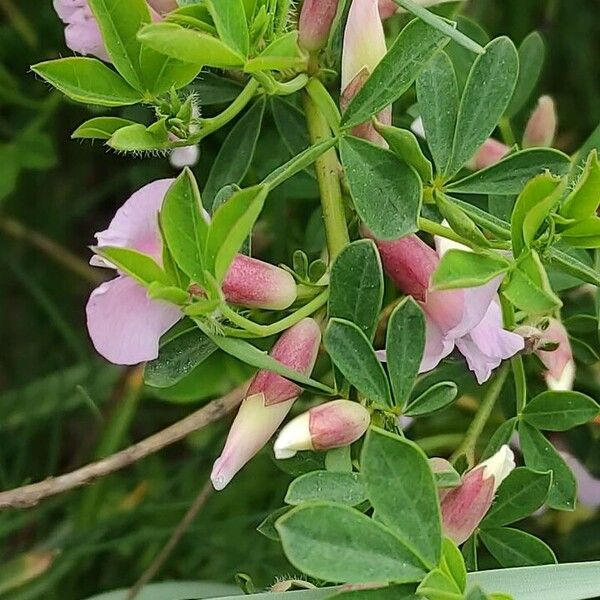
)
(434, 228)
(467, 448)
(506, 130)
(327, 168)
(516, 362)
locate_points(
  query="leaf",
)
(214, 89)
(184, 226)
(501, 436)
(435, 398)
(176, 590)
(405, 352)
(487, 92)
(189, 45)
(291, 125)
(542, 456)
(571, 265)
(342, 488)
(356, 286)
(139, 138)
(404, 144)
(531, 61)
(461, 268)
(453, 563)
(236, 152)
(391, 592)
(514, 548)
(395, 73)
(340, 544)
(181, 351)
(100, 128)
(510, 175)
(437, 93)
(386, 191)
(353, 355)
(87, 80)
(402, 490)
(519, 496)
(583, 201)
(439, 585)
(230, 21)
(231, 225)
(560, 411)
(141, 267)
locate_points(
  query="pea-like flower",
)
(314, 24)
(125, 325)
(268, 401)
(541, 127)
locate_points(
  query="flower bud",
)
(163, 6)
(559, 362)
(541, 127)
(256, 284)
(314, 26)
(491, 152)
(465, 506)
(330, 425)
(187, 156)
(268, 401)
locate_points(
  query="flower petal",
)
(437, 346)
(124, 324)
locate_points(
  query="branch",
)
(30, 495)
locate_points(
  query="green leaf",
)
(404, 144)
(189, 45)
(386, 191)
(267, 526)
(459, 221)
(405, 352)
(501, 436)
(356, 286)
(232, 223)
(392, 592)
(515, 548)
(214, 89)
(87, 80)
(100, 128)
(559, 411)
(182, 349)
(584, 234)
(340, 544)
(531, 61)
(439, 585)
(236, 152)
(395, 73)
(352, 353)
(583, 201)
(435, 398)
(184, 227)
(402, 490)
(280, 55)
(461, 268)
(488, 90)
(542, 456)
(178, 590)
(571, 265)
(445, 475)
(519, 496)
(510, 175)
(453, 563)
(139, 138)
(342, 488)
(437, 93)
(230, 20)
(141, 267)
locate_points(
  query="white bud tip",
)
(293, 437)
(500, 465)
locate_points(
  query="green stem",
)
(516, 362)
(327, 168)
(507, 132)
(325, 103)
(436, 229)
(250, 329)
(467, 448)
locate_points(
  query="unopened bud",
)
(256, 284)
(491, 152)
(314, 26)
(541, 127)
(560, 374)
(465, 506)
(330, 425)
(269, 399)
(187, 156)
(163, 6)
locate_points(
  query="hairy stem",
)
(327, 168)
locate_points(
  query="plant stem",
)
(516, 362)
(436, 229)
(250, 329)
(506, 130)
(467, 448)
(327, 168)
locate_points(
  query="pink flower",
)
(465, 506)
(541, 127)
(268, 401)
(364, 47)
(124, 324)
(314, 25)
(559, 362)
(331, 425)
(469, 319)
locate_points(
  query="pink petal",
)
(446, 308)
(556, 360)
(163, 6)
(135, 225)
(82, 35)
(66, 9)
(491, 152)
(541, 127)
(437, 346)
(124, 324)
(337, 423)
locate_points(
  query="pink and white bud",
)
(465, 506)
(314, 25)
(541, 127)
(560, 374)
(491, 152)
(256, 284)
(269, 399)
(163, 6)
(186, 156)
(331, 425)
(364, 47)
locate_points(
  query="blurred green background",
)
(61, 406)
